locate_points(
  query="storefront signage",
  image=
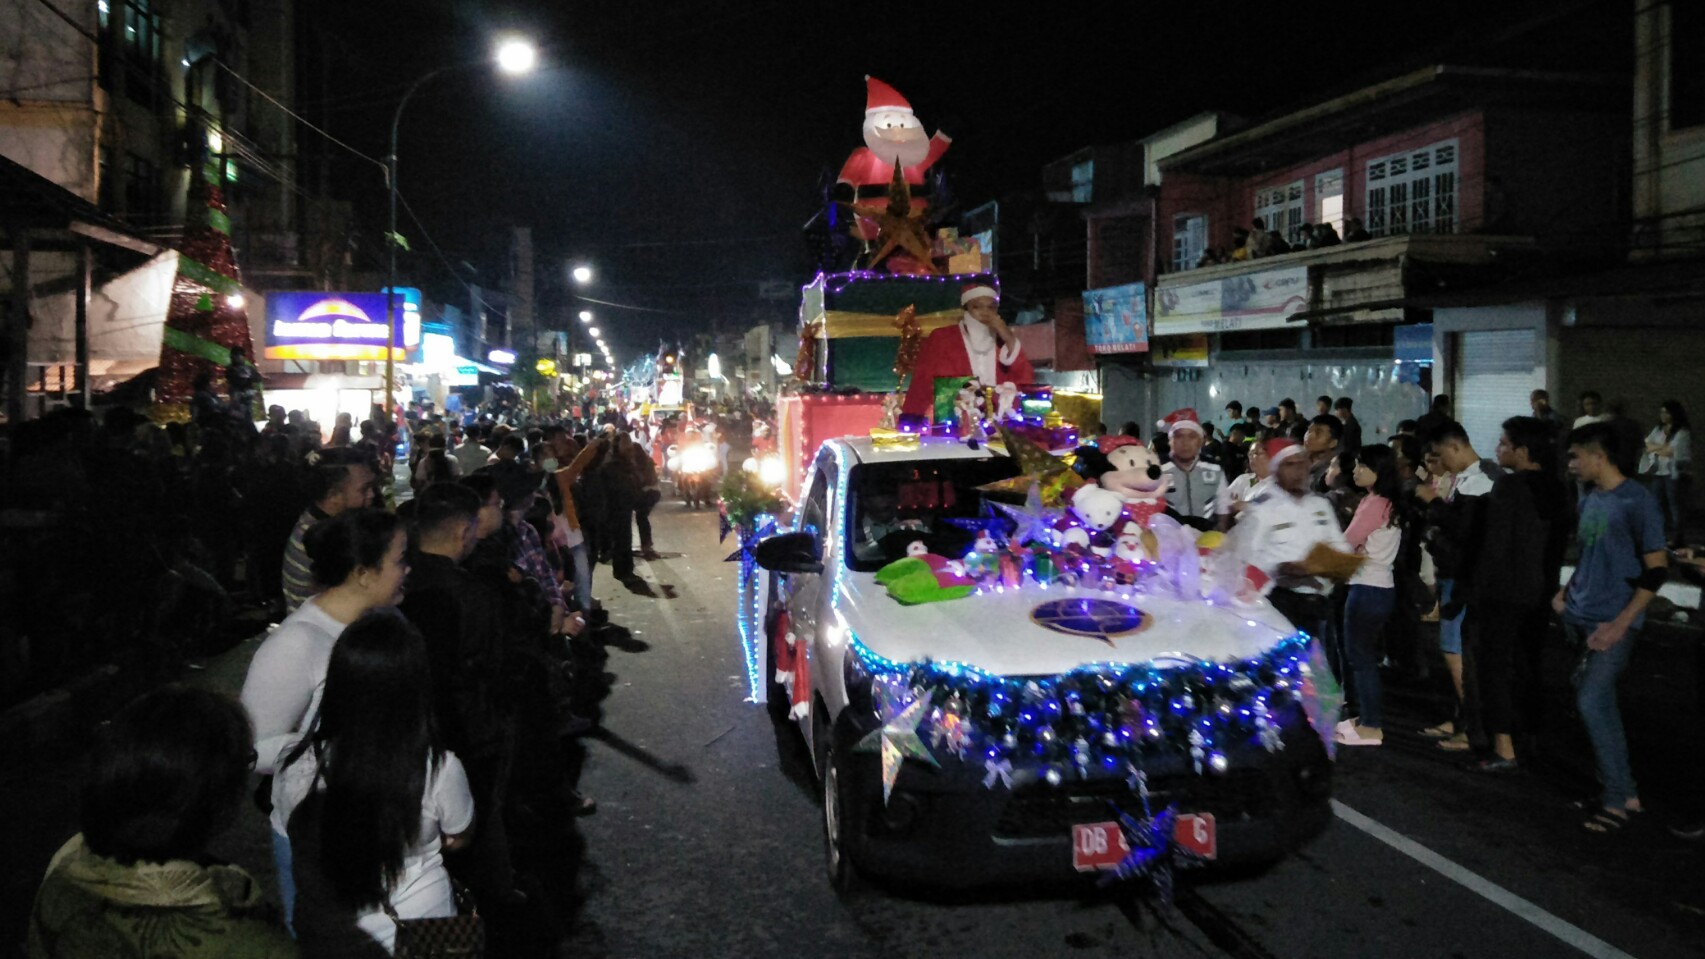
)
(1189, 351)
(501, 357)
(1261, 300)
(315, 325)
(1116, 319)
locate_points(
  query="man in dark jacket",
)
(1520, 559)
(1455, 523)
(462, 621)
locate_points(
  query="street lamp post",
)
(513, 56)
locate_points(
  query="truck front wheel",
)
(840, 825)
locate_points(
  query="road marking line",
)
(1571, 934)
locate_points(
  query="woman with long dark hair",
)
(357, 557)
(1376, 532)
(370, 794)
(1669, 458)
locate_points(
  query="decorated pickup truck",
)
(1002, 674)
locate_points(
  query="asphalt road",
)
(708, 840)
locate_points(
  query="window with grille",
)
(141, 189)
(1189, 240)
(1686, 64)
(1329, 199)
(1280, 207)
(1413, 192)
(1083, 181)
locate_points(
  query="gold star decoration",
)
(1051, 475)
(900, 224)
(897, 739)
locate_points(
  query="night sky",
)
(681, 146)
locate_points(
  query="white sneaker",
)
(1346, 733)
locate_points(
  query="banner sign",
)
(1252, 301)
(315, 325)
(1116, 320)
(1189, 351)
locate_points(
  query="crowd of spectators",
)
(438, 645)
(1257, 240)
(1471, 543)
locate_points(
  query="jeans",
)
(1672, 493)
(1508, 654)
(281, 861)
(1595, 680)
(1365, 613)
(620, 538)
(581, 555)
(1450, 630)
(642, 516)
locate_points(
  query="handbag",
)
(461, 936)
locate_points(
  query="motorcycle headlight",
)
(771, 472)
(697, 459)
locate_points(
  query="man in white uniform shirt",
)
(1280, 528)
(1192, 483)
(1236, 495)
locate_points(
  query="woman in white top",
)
(1375, 532)
(357, 556)
(371, 796)
(1669, 457)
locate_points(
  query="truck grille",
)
(1038, 810)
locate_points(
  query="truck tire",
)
(841, 831)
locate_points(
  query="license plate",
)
(1195, 832)
(1098, 845)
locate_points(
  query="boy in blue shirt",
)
(1622, 563)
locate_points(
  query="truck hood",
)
(995, 632)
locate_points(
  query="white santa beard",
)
(980, 346)
(911, 151)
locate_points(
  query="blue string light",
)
(1104, 714)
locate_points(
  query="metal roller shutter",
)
(1496, 372)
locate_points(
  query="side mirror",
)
(790, 553)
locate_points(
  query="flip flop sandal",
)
(1455, 744)
(1441, 731)
(1606, 822)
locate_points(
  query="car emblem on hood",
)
(1100, 619)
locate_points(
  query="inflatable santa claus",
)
(979, 345)
(892, 134)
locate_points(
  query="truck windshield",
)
(895, 504)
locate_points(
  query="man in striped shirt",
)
(338, 480)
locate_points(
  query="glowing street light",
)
(583, 274)
(517, 56)
(512, 56)
(594, 332)
(585, 316)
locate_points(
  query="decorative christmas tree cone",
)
(202, 327)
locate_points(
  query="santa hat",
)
(974, 291)
(1280, 449)
(1184, 419)
(880, 97)
(1108, 444)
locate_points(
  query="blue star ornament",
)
(1035, 521)
(897, 740)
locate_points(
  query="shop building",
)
(117, 102)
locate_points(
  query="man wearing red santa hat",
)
(1192, 483)
(979, 345)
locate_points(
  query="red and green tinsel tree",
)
(202, 327)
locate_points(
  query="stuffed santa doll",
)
(979, 345)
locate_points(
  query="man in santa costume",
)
(979, 345)
(892, 133)
(1192, 483)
